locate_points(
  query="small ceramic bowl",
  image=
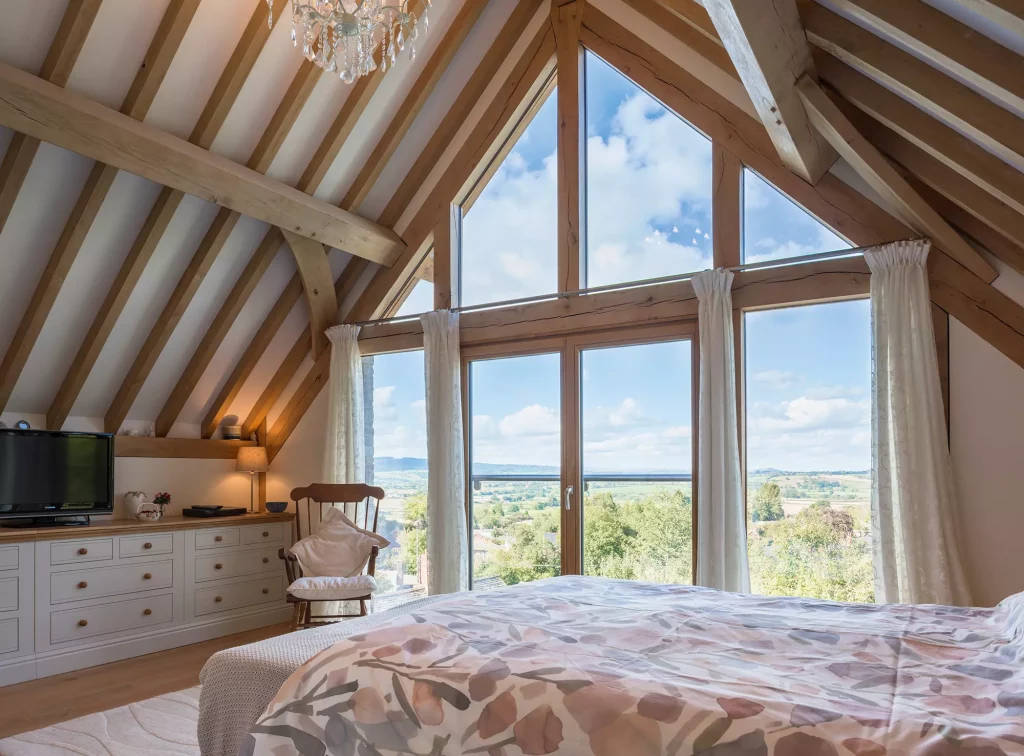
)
(277, 506)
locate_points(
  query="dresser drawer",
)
(237, 595)
(216, 566)
(73, 624)
(8, 593)
(8, 635)
(93, 550)
(262, 534)
(133, 546)
(215, 539)
(109, 581)
(8, 557)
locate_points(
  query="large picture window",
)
(648, 181)
(808, 389)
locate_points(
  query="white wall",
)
(300, 461)
(987, 448)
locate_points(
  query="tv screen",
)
(53, 474)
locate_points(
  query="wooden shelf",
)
(177, 448)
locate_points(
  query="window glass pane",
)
(420, 299)
(637, 461)
(510, 234)
(775, 227)
(515, 405)
(648, 184)
(395, 427)
(808, 386)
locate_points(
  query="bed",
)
(578, 665)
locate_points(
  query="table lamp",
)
(252, 459)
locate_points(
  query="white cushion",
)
(339, 548)
(332, 588)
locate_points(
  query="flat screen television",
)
(55, 474)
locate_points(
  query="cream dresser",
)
(75, 597)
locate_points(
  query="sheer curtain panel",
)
(721, 521)
(446, 514)
(913, 504)
(344, 456)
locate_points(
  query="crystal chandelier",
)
(341, 35)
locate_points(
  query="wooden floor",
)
(39, 703)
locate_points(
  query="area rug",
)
(162, 725)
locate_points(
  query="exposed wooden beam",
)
(873, 167)
(64, 49)
(253, 352)
(445, 273)
(460, 111)
(945, 42)
(411, 106)
(565, 20)
(158, 59)
(992, 126)
(317, 283)
(696, 33)
(203, 134)
(218, 329)
(940, 324)
(1008, 14)
(726, 206)
(767, 44)
(35, 107)
(165, 324)
(297, 354)
(517, 94)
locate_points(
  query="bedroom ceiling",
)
(285, 113)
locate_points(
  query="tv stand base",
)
(46, 522)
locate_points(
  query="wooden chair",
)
(318, 498)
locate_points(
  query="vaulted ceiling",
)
(174, 299)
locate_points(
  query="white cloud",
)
(532, 420)
(780, 379)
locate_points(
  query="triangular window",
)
(775, 227)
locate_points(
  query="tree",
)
(414, 535)
(767, 506)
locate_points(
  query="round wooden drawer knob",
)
(83, 551)
(218, 599)
(266, 559)
(266, 590)
(83, 623)
(147, 545)
(83, 584)
(147, 612)
(218, 566)
(266, 534)
(147, 576)
(218, 539)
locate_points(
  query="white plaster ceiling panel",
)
(5, 139)
(477, 42)
(115, 49)
(27, 30)
(962, 12)
(198, 63)
(33, 228)
(249, 320)
(196, 320)
(148, 299)
(289, 391)
(263, 91)
(89, 279)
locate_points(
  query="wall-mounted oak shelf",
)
(177, 448)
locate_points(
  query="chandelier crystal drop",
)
(341, 36)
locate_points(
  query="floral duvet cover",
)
(578, 665)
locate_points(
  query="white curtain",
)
(721, 523)
(913, 505)
(344, 456)
(446, 514)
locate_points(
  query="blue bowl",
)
(277, 506)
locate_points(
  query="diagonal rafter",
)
(64, 50)
(224, 94)
(140, 96)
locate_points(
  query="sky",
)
(648, 203)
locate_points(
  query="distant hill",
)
(771, 472)
(398, 464)
(407, 464)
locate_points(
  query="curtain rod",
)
(834, 255)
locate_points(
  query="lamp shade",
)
(252, 459)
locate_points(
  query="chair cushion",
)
(339, 548)
(332, 588)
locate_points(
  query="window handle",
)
(568, 496)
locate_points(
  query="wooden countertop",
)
(129, 527)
